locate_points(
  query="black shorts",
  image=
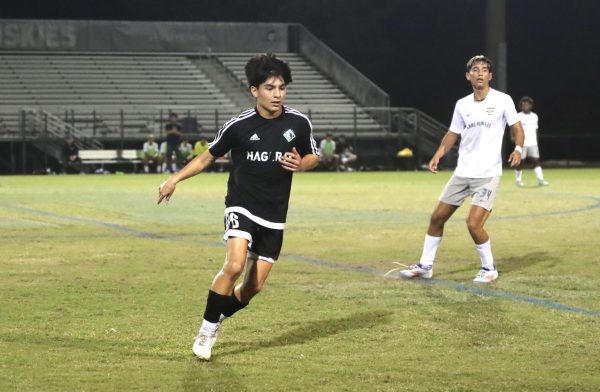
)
(264, 242)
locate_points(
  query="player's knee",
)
(233, 269)
(474, 225)
(437, 219)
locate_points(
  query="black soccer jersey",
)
(257, 182)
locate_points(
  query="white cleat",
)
(203, 346)
(486, 276)
(417, 271)
(519, 184)
(543, 183)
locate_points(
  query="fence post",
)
(417, 140)
(23, 146)
(45, 140)
(122, 126)
(94, 122)
(355, 121)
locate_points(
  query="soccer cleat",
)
(203, 346)
(203, 343)
(519, 184)
(543, 183)
(486, 276)
(417, 270)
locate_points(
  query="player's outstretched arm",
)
(195, 166)
(446, 144)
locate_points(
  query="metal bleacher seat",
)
(310, 89)
(90, 82)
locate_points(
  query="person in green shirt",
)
(200, 146)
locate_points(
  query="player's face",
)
(526, 107)
(479, 75)
(269, 97)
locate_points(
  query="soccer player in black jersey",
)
(267, 144)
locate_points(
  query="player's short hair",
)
(264, 66)
(525, 99)
(479, 59)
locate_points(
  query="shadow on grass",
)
(215, 376)
(511, 263)
(314, 330)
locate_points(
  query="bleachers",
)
(311, 92)
(105, 94)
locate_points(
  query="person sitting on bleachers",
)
(151, 155)
(346, 154)
(200, 146)
(185, 153)
(329, 159)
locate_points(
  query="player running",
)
(479, 120)
(531, 151)
(267, 144)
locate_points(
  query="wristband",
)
(519, 149)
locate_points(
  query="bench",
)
(108, 157)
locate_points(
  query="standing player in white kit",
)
(479, 120)
(529, 121)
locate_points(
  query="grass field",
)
(102, 290)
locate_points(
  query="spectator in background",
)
(200, 146)
(329, 159)
(345, 154)
(151, 155)
(531, 151)
(186, 153)
(173, 130)
(70, 154)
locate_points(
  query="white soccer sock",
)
(208, 328)
(485, 254)
(519, 175)
(430, 246)
(539, 173)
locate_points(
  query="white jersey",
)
(481, 127)
(529, 121)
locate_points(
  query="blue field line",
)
(594, 206)
(474, 289)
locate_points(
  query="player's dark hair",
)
(525, 99)
(264, 66)
(479, 59)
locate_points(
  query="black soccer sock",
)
(233, 305)
(215, 305)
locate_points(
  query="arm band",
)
(519, 149)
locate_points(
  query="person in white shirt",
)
(151, 155)
(531, 151)
(479, 120)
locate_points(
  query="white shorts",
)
(530, 152)
(482, 191)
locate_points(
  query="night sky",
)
(415, 50)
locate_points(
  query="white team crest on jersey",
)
(289, 135)
(490, 110)
(254, 137)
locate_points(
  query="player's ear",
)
(467, 76)
(254, 91)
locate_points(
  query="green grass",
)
(102, 290)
